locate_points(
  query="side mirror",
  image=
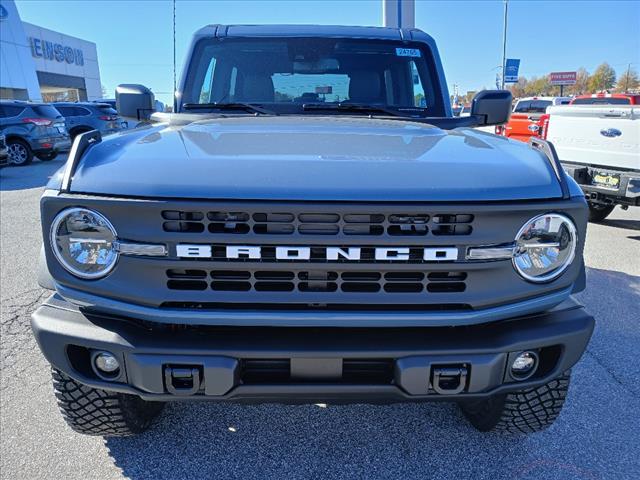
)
(492, 107)
(134, 101)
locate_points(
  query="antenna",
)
(175, 88)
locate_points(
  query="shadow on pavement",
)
(613, 299)
(201, 440)
(31, 176)
(628, 224)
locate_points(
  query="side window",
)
(65, 111)
(207, 83)
(419, 96)
(7, 111)
(81, 112)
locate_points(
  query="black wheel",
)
(598, 212)
(46, 157)
(98, 412)
(526, 411)
(20, 153)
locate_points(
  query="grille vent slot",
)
(316, 281)
(285, 223)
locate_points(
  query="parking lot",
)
(595, 437)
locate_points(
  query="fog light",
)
(107, 363)
(524, 365)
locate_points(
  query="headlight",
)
(545, 247)
(84, 241)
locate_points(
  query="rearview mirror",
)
(494, 106)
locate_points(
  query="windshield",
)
(286, 73)
(602, 101)
(532, 106)
(107, 110)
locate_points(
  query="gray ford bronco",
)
(312, 224)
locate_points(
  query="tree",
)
(628, 81)
(538, 86)
(582, 83)
(519, 89)
(604, 78)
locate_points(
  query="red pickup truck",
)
(607, 99)
(529, 118)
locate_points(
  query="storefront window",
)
(61, 95)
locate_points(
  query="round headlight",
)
(545, 247)
(84, 241)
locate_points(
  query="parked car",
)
(607, 99)
(599, 146)
(86, 116)
(4, 152)
(366, 248)
(110, 101)
(32, 129)
(529, 118)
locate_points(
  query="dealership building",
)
(39, 64)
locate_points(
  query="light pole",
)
(504, 42)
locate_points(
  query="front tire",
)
(526, 411)
(93, 411)
(598, 212)
(20, 153)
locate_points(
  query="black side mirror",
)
(134, 101)
(492, 107)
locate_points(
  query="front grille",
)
(417, 282)
(274, 223)
(317, 281)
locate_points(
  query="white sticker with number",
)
(407, 52)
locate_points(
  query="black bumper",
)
(626, 193)
(291, 365)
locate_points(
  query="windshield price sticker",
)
(407, 52)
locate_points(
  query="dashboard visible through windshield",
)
(284, 74)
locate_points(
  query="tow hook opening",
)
(449, 380)
(183, 380)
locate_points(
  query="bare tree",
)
(628, 81)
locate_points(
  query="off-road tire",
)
(99, 412)
(598, 212)
(526, 411)
(20, 153)
(47, 157)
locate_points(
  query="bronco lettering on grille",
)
(304, 253)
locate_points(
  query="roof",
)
(73, 104)
(383, 33)
(542, 98)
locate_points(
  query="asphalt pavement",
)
(596, 437)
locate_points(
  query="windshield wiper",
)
(361, 107)
(247, 107)
(353, 107)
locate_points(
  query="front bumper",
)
(298, 365)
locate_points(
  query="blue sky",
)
(134, 38)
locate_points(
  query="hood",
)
(314, 158)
